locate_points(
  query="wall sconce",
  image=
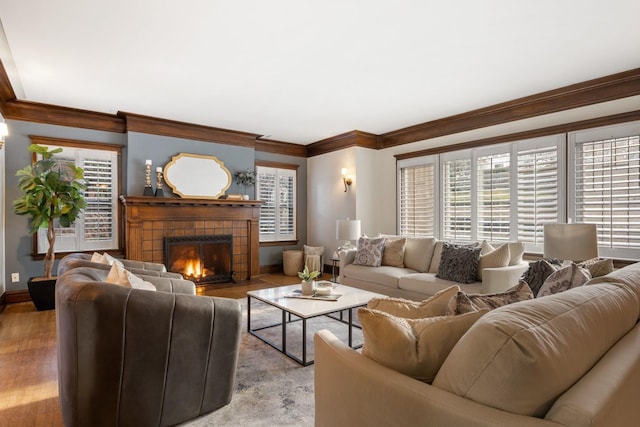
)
(4, 131)
(345, 179)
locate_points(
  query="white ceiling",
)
(301, 71)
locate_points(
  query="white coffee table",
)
(298, 309)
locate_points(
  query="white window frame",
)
(278, 235)
(75, 241)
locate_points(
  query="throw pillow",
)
(400, 307)
(312, 257)
(414, 347)
(119, 276)
(598, 266)
(108, 259)
(516, 252)
(459, 263)
(492, 258)
(564, 279)
(393, 252)
(538, 272)
(465, 303)
(369, 251)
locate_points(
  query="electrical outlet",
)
(15, 277)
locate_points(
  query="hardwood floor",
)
(28, 357)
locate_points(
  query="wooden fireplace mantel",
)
(148, 220)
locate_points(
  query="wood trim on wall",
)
(279, 147)
(355, 138)
(277, 165)
(46, 140)
(156, 126)
(519, 136)
(608, 88)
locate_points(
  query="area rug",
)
(271, 389)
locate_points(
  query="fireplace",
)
(201, 259)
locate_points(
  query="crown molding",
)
(535, 133)
(157, 126)
(280, 147)
(354, 138)
(6, 90)
(603, 89)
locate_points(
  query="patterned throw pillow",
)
(369, 251)
(459, 263)
(465, 303)
(538, 272)
(598, 266)
(414, 347)
(393, 253)
(564, 279)
(400, 307)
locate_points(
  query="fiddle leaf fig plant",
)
(51, 190)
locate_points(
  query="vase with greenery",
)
(51, 190)
(308, 278)
(245, 178)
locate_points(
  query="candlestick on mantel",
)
(148, 190)
(159, 190)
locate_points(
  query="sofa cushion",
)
(385, 275)
(414, 347)
(400, 307)
(435, 259)
(119, 276)
(527, 354)
(459, 263)
(564, 279)
(465, 303)
(418, 252)
(491, 257)
(598, 266)
(429, 284)
(369, 251)
(516, 252)
(393, 252)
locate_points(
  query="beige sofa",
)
(569, 359)
(417, 280)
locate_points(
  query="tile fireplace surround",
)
(148, 220)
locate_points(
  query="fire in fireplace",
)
(202, 259)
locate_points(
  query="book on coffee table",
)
(298, 294)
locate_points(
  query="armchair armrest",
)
(502, 278)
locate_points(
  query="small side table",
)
(334, 262)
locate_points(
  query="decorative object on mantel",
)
(197, 176)
(159, 190)
(245, 178)
(148, 190)
(234, 197)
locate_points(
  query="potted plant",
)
(51, 190)
(307, 280)
(244, 179)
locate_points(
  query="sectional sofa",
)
(568, 359)
(418, 277)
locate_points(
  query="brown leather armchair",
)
(131, 357)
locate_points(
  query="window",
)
(97, 226)
(496, 193)
(416, 182)
(276, 187)
(606, 187)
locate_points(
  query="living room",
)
(569, 93)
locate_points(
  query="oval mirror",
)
(195, 175)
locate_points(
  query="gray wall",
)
(137, 147)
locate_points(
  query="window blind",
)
(277, 189)
(493, 197)
(416, 207)
(456, 200)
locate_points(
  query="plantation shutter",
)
(456, 200)
(277, 189)
(416, 207)
(537, 192)
(101, 196)
(493, 197)
(607, 189)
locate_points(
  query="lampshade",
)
(347, 229)
(575, 242)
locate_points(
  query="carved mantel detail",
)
(148, 220)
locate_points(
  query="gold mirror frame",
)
(197, 176)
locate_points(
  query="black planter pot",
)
(43, 292)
